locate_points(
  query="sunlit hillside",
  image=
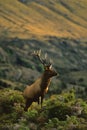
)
(27, 18)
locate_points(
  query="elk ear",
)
(50, 67)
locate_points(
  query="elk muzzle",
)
(54, 73)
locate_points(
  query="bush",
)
(32, 115)
(60, 112)
(11, 106)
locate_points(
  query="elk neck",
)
(45, 81)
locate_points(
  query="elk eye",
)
(46, 68)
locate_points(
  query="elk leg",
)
(38, 100)
(28, 103)
(42, 100)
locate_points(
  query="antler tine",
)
(38, 54)
(45, 59)
(42, 60)
(45, 55)
(50, 63)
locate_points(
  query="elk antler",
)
(42, 60)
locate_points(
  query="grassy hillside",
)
(24, 19)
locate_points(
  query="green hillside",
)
(58, 27)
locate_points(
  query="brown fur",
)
(38, 88)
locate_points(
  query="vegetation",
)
(11, 106)
(62, 112)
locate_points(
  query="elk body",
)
(38, 89)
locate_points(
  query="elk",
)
(38, 89)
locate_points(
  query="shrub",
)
(31, 115)
(59, 111)
(11, 106)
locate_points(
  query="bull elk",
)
(38, 89)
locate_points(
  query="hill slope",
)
(26, 18)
